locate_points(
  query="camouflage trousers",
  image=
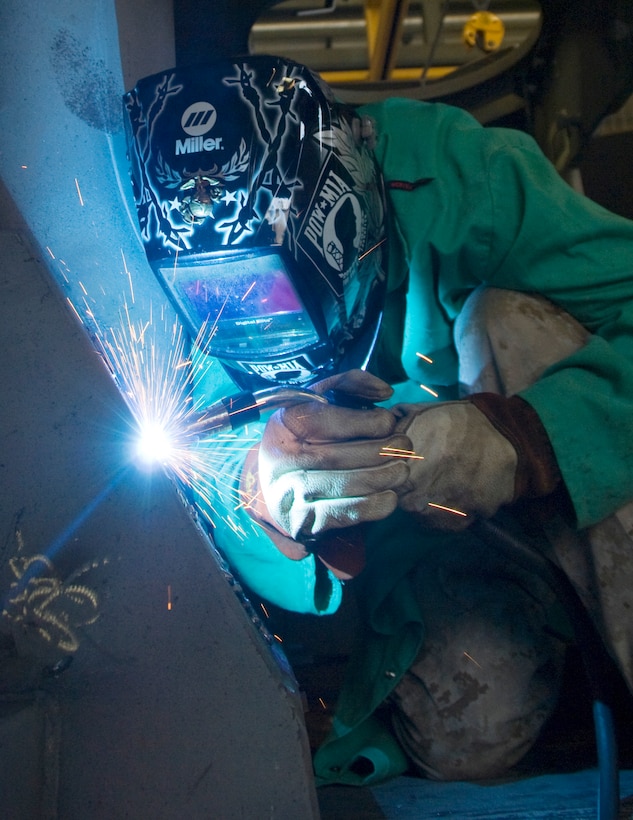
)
(488, 675)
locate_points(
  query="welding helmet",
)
(261, 210)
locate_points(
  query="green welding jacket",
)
(468, 206)
(472, 206)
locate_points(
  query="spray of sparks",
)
(151, 363)
(152, 366)
(156, 380)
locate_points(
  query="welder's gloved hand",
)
(322, 467)
(473, 457)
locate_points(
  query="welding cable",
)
(593, 653)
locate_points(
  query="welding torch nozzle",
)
(235, 411)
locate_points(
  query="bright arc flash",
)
(154, 445)
(150, 368)
(156, 366)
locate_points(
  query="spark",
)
(397, 452)
(470, 658)
(264, 610)
(129, 275)
(323, 703)
(428, 390)
(249, 289)
(216, 321)
(248, 502)
(425, 358)
(277, 638)
(371, 250)
(81, 199)
(447, 509)
(169, 603)
(176, 255)
(52, 255)
(75, 311)
(151, 363)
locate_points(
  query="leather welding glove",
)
(323, 467)
(473, 457)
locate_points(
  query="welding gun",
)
(235, 411)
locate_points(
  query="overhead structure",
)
(555, 69)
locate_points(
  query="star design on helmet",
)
(228, 197)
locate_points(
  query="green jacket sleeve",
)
(299, 586)
(560, 244)
(473, 205)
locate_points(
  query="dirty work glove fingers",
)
(356, 383)
(340, 485)
(320, 422)
(331, 458)
(288, 452)
(354, 479)
(310, 503)
(464, 467)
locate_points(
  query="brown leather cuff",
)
(342, 550)
(538, 473)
